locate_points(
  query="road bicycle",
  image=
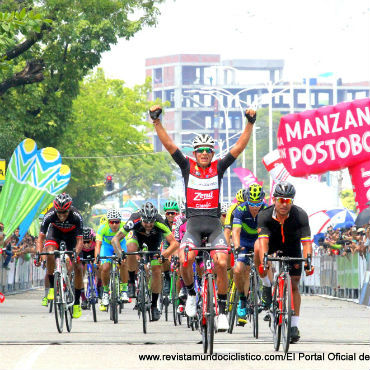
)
(63, 287)
(91, 290)
(207, 307)
(115, 303)
(282, 306)
(143, 295)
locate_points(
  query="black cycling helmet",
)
(284, 190)
(87, 233)
(62, 202)
(148, 212)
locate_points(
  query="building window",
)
(323, 98)
(158, 95)
(170, 97)
(158, 75)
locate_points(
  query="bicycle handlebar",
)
(266, 258)
(187, 249)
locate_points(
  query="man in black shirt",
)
(283, 227)
(63, 223)
(202, 178)
(146, 227)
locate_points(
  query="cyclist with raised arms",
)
(244, 236)
(62, 223)
(283, 227)
(104, 247)
(202, 178)
(147, 227)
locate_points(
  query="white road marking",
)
(27, 361)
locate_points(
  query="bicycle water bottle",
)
(2, 297)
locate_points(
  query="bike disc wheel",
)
(287, 313)
(232, 314)
(210, 314)
(275, 317)
(58, 301)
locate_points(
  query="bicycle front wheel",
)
(58, 301)
(210, 313)
(232, 315)
(286, 312)
(142, 303)
(93, 299)
(254, 303)
(276, 316)
(173, 297)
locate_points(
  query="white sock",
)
(266, 281)
(294, 321)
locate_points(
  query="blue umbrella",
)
(341, 218)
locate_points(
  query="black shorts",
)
(85, 255)
(54, 236)
(199, 227)
(153, 242)
(295, 268)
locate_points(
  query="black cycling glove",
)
(155, 114)
(250, 118)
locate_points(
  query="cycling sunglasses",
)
(63, 212)
(86, 241)
(114, 222)
(255, 204)
(284, 200)
(148, 220)
(171, 213)
(207, 149)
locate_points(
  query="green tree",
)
(69, 48)
(110, 131)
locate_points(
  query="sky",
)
(313, 37)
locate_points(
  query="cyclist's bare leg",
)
(239, 276)
(123, 272)
(50, 260)
(105, 271)
(220, 261)
(78, 275)
(132, 260)
(156, 279)
(166, 266)
(187, 272)
(296, 294)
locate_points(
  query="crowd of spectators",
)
(12, 249)
(344, 241)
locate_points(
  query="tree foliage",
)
(109, 126)
(37, 90)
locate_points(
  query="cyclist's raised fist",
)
(250, 115)
(155, 111)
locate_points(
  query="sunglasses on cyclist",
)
(255, 204)
(171, 213)
(284, 200)
(114, 222)
(204, 149)
(87, 241)
(63, 212)
(148, 221)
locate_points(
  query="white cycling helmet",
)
(203, 139)
(114, 214)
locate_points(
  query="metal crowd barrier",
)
(21, 275)
(340, 276)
